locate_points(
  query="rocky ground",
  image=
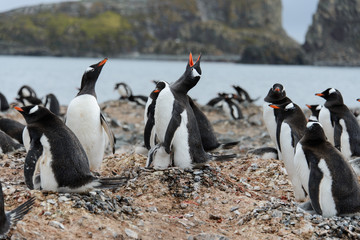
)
(247, 198)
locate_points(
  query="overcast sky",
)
(297, 15)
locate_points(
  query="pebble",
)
(56, 224)
(152, 209)
(234, 208)
(132, 234)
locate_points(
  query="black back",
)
(69, 163)
(345, 185)
(4, 221)
(52, 103)
(4, 105)
(7, 144)
(12, 128)
(90, 77)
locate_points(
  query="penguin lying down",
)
(56, 161)
(9, 219)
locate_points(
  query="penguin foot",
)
(306, 207)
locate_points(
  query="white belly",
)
(270, 122)
(163, 112)
(326, 200)
(83, 118)
(288, 152)
(48, 181)
(345, 141)
(325, 121)
(301, 167)
(182, 157)
(26, 139)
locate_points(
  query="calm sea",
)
(62, 76)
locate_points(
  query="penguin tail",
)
(18, 213)
(112, 182)
(225, 157)
(228, 145)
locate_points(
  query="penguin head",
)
(33, 113)
(314, 132)
(160, 85)
(26, 91)
(276, 93)
(287, 107)
(331, 94)
(91, 75)
(192, 74)
(123, 89)
(358, 99)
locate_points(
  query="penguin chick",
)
(9, 219)
(56, 160)
(85, 119)
(332, 184)
(339, 123)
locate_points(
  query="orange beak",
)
(358, 99)
(308, 106)
(274, 106)
(156, 91)
(19, 109)
(277, 89)
(102, 62)
(319, 94)
(191, 61)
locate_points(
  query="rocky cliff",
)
(114, 28)
(334, 36)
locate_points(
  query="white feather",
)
(325, 120)
(48, 181)
(195, 73)
(301, 166)
(332, 90)
(34, 109)
(270, 123)
(182, 156)
(345, 141)
(26, 139)
(288, 152)
(326, 199)
(83, 118)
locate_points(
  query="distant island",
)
(222, 30)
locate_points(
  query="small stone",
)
(130, 233)
(126, 209)
(197, 178)
(183, 205)
(47, 214)
(257, 188)
(151, 209)
(51, 201)
(56, 224)
(237, 212)
(189, 215)
(234, 208)
(63, 199)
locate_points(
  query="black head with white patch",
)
(276, 93)
(314, 133)
(331, 95)
(160, 85)
(190, 77)
(90, 77)
(34, 113)
(286, 107)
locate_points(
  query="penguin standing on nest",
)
(56, 160)
(85, 119)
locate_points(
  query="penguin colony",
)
(319, 154)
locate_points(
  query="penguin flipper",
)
(174, 123)
(108, 131)
(3, 216)
(337, 135)
(19, 212)
(147, 132)
(314, 186)
(31, 159)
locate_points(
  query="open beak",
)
(102, 62)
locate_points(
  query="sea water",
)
(62, 77)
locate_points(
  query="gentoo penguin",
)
(52, 103)
(56, 160)
(84, 118)
(231, 109)
(12, 128)
(276, 95)
(4, 105)
(27, 96)
(176, 125)
(332, 184)
(7, 144)
(243, 94)
(315, 110)
(291, 124)
(126, 93)
(123, 89)
(217, 101)
(339, 123)
(149, 116)
(9, 219)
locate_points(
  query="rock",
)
(56, 224)
(207, 236)
(130, 233)
(152, 209)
